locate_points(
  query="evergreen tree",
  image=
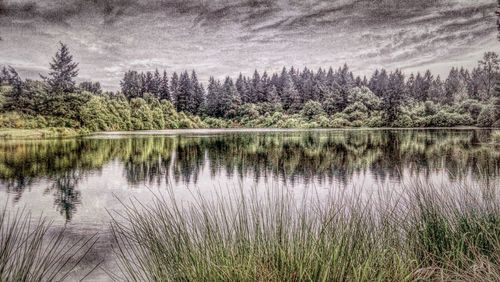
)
(344, 82)
(474, 83)
(272, 95)
(155, 84)
(379, 82)
(63, 71)
(184, 96)
(393, 97)
(242, 88)
(452, 86)
(164, 91)
(198, 94)
(490, 65)
(410, 87)
(256, 88)
(131, 85)
(290, 95)
(89, 86)
(436, 91)
(4, 76)
(229, 99)
(212, 107)
(174, 87)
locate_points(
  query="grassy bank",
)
(424, 233)
(53, 132)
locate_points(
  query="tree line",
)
(292, 88)
(325, 94)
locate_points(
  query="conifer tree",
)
(164, 91)
(63, 71)
(174, 87)
(229, 99)
(490, 65)
(393, 96)
(131, 85)
(212, 102)
(184, 93)
(198, 94)
(290, 95)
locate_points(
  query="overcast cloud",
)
(219, 38)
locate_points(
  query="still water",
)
(77, 182)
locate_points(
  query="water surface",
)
(75, 182)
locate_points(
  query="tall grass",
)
(31, 251)
(423, 233)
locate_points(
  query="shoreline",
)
(51, 133)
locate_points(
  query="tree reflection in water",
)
(321, 156)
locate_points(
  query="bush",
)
(472, 107)
(430, 108)
(340, 122)
(215, 122)
(248, 111)
(447, 119)
(404, 120)
(364, 96)
(487, 116)
(375, 121)
(312, 109)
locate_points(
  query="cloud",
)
(226, 37)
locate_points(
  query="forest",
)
(292, 98)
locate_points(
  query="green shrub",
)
(487, 116)
(312, 109)
(215, 122)
(340, 122)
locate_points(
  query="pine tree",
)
(436, 91)
(273, 96)
(63, 71)
(212, 107)
(164, 91)
(393, 97)
(242, 88)
(198, 94)
(184, 93)
(290, 95)
(490, 65)
(229, 99)
(174, 88)
(131, 85)
(474, 83)
(256, 88)
(89, 86)
(154, 86)
(4, 76)
(452, 86)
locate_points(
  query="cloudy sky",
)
(225, 37)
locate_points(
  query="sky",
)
(223, 37)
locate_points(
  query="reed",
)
(422, 233)
(30, 250)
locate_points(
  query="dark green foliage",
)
(312, 109)
(91, 87)
(229, 99)
(184, 93)
(385, 100)
(487, 117)
(393, 96)
(62, 72)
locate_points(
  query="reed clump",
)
(30, 250)
(423, 233)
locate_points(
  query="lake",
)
(77, 182)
